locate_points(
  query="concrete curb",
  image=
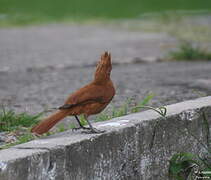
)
(136, 146)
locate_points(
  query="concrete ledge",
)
(136, 146)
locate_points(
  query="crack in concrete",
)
(153, 136)
(152, 140)
(34, 148)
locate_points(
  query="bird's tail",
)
(49, 122)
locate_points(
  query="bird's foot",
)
(81, 127)
(35, 135)
(93, 131)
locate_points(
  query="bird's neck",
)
(101, 78)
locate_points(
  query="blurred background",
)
(161, 52)
(49, 48)
(27, 12)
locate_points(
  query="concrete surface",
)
(75, 45)
(136, 146)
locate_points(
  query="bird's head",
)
(104, 67)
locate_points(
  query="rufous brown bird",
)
(88, 100)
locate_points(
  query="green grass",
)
(13, 12)
(188, 51)
(10, 121)
(20, 124)
(127, 108)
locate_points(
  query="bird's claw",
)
(78, 128)
(94, 131)
(35, 135)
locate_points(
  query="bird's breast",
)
(95, 108)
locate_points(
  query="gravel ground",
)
(171, 82)
(63, 45)
(41, 66)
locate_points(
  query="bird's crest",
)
(104, 67)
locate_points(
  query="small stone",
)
(148, 59)
(10, 139)
(2, 136)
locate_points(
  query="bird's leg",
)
(80, 125)
(92, 129)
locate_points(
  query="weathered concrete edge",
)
(47, 148)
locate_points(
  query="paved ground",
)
(40, 66)
(64, 45)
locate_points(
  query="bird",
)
(89, 100)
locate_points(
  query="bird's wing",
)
(85, 95)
